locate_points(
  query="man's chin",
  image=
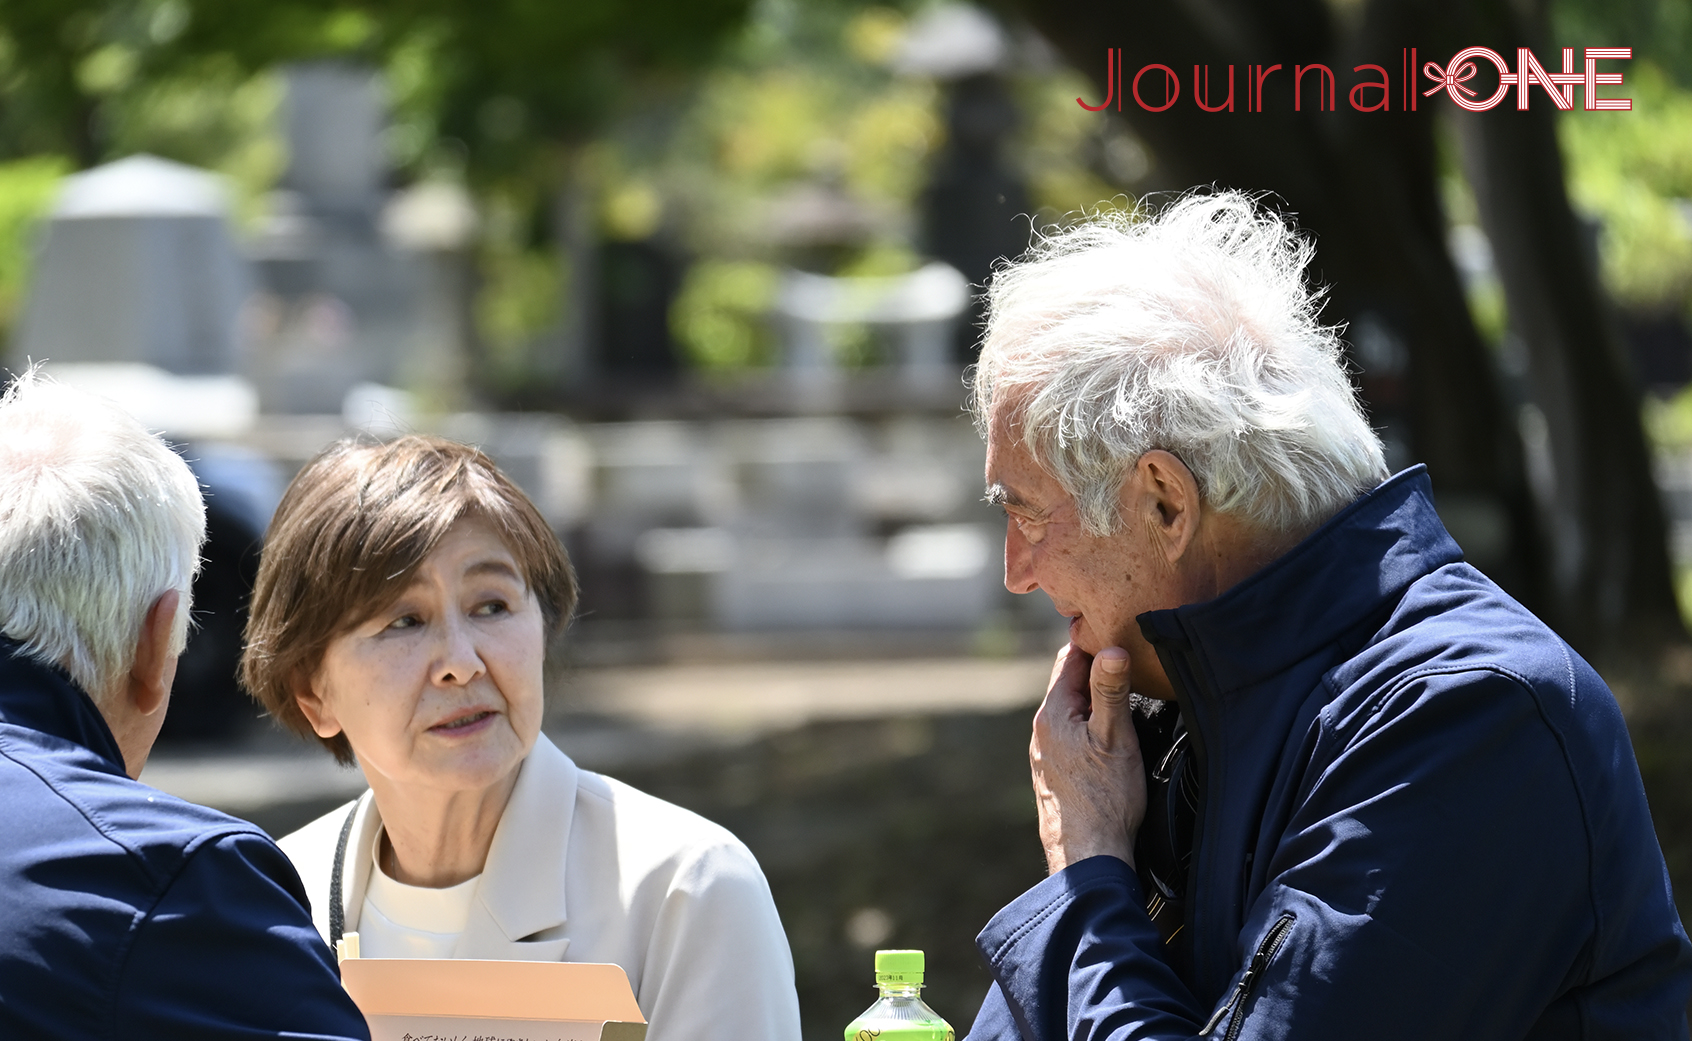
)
(1085, 639)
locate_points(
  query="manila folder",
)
(452, 999)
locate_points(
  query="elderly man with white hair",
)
(1301, 771)
(127, 913)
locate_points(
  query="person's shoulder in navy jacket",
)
(133, 914)
(127, 913)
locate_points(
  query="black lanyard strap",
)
(337, 917)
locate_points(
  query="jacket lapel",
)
(519, 912)
(356, 864)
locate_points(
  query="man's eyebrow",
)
(999, 495)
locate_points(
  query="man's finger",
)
(1108, 680)
(1067, 694)
(1065, 659)
(1059, 702)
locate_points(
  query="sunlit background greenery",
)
(800, 93)
(693, 131)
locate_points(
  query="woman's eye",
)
(405, 621)
(491, 607)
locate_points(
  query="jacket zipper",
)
(1177, 665)
(1266, 950)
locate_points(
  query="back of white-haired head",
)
(1192, 331)
(98, 519)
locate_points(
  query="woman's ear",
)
(318, 710)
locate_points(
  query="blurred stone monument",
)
(819, 226)
(137, 266)
(975, 207)
(136, 296)
(360, 286)
(816, 523)
(917, 312)
(433, 224)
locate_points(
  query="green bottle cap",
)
(898, 966)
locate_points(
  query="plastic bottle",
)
(900, 1013)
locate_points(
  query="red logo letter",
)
(1384, 86)
(1326, 79)
(1613, 79)
(1202, 95)
(1110, 83)
(1529, 72)
(1171, 87)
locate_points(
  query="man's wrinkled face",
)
(1101, 583)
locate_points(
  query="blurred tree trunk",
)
(576, 240)
(1608, 563)
(1365, 185)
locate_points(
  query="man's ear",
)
(314, 707)
(147, 687)
(1168, 501)
(136, 708)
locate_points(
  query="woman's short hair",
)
(98, 519)
(347, 539)
(1192, 331)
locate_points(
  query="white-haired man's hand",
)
(1089, 779)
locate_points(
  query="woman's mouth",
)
(463, 723)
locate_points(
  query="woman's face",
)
(441, 689)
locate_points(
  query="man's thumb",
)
(1108, 679)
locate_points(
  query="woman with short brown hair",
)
(405, 601)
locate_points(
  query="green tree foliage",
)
(805, 96)
(1633, 171)
(92, 79)
(719, 315)
(809, 94)
(691, 119)
(506, 92)
(26, 191)
(507, 79)
(1659, 31)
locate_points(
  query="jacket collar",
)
(45, 699)
(519, 908)
(521, 894)
(1344, 574)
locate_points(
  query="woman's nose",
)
(458, 662)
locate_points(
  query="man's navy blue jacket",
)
(1422, 819)
(126, 913)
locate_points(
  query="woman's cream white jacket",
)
(584, 868)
